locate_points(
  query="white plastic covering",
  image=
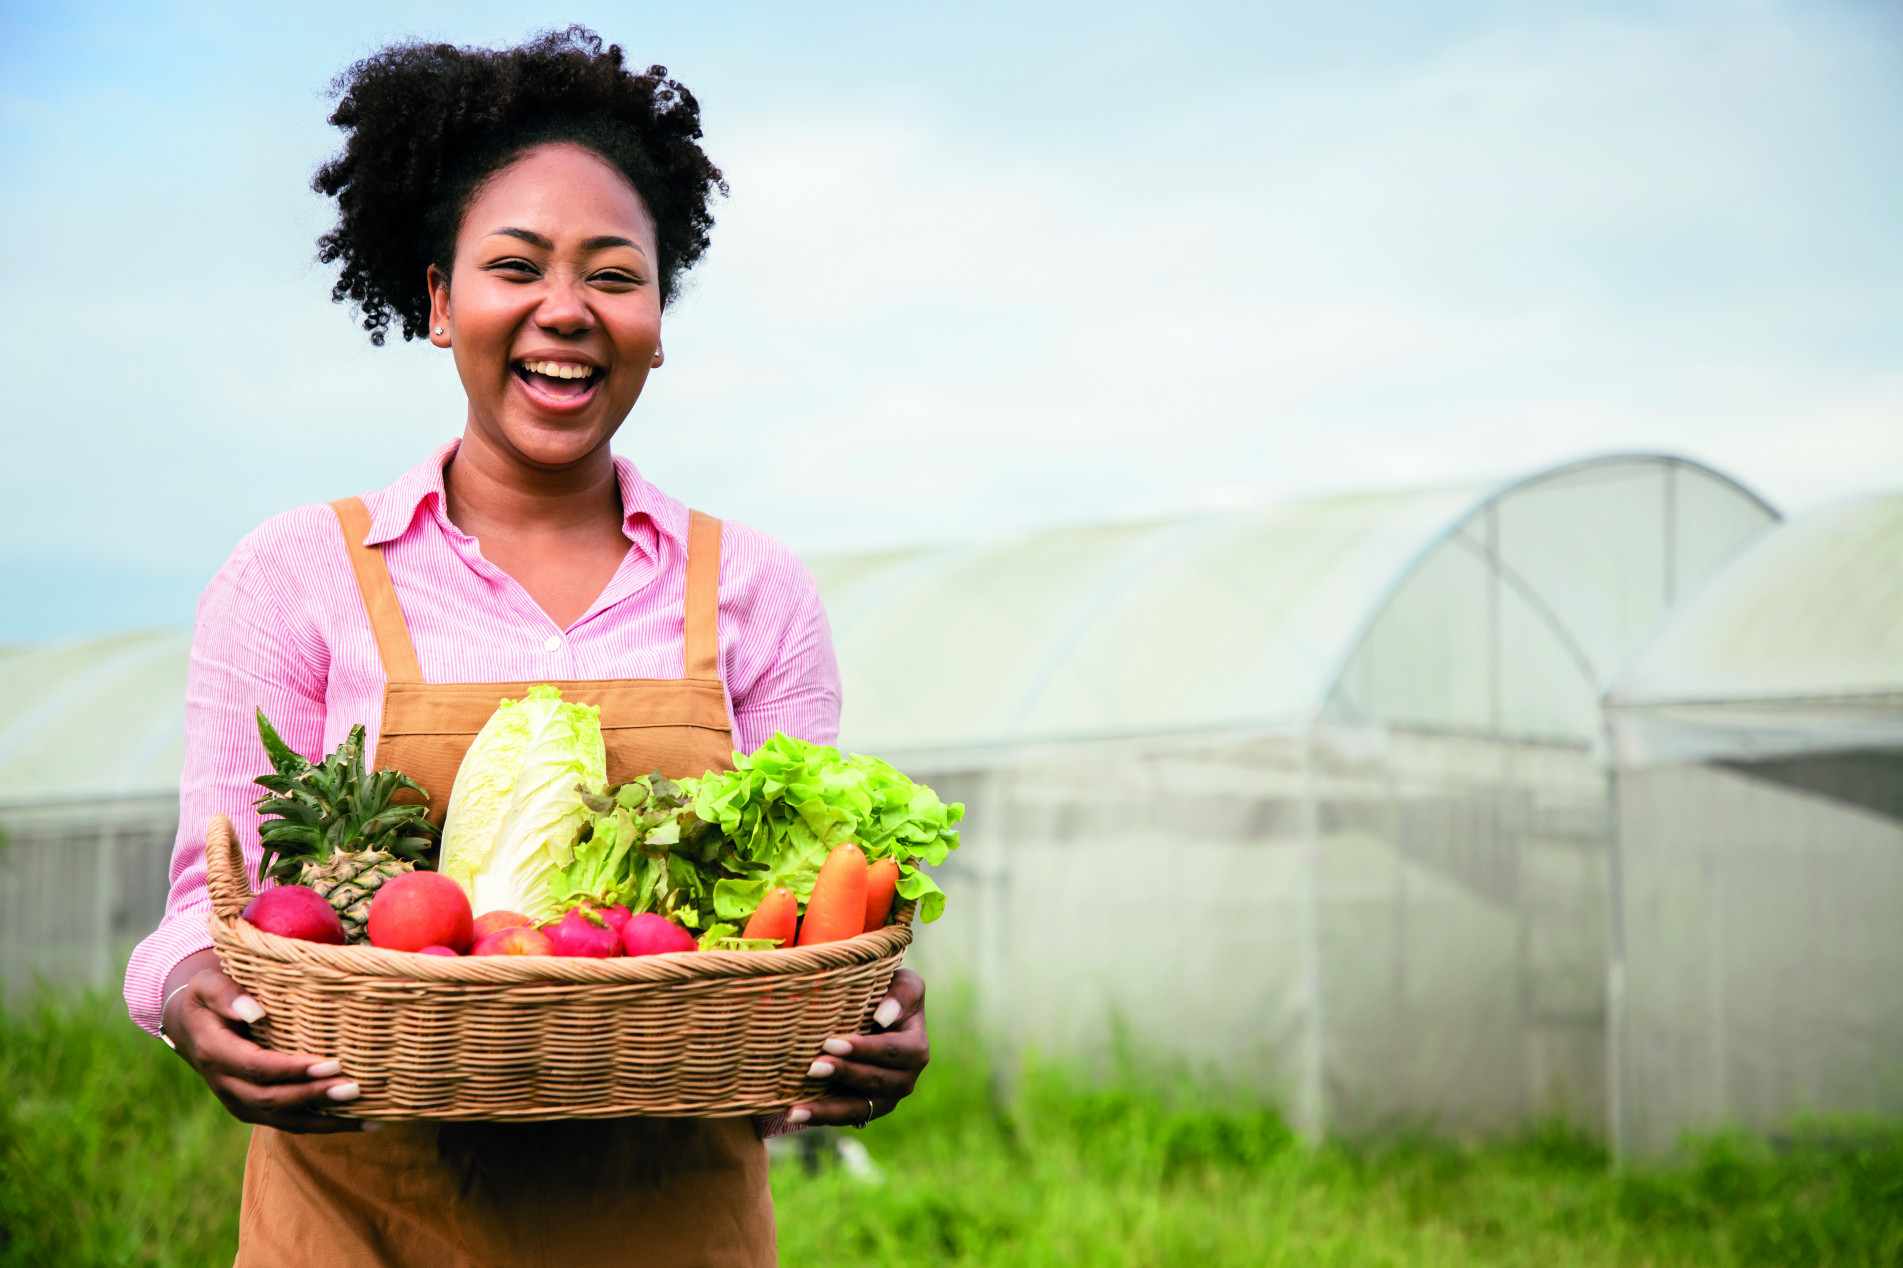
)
(93, 720)
(1313, 794)
(91, 738)
(1759, 739)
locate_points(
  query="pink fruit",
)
(294, 911)
(584, 933)
(515, 940)
(649, 934)
(421, 909)
(440, 951)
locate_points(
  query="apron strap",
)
(702, 641)
(379, 594)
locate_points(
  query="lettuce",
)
(640, 846)
(517, 805)
(788, 804)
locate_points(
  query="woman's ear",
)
(438, 307)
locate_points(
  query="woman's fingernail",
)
(887, 1013)
(325, 1069)
(798, 1115)
(821, 1069)
(372, 1125)
(838, 1047)
(344, 1092)
(247, 1009)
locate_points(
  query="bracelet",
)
(163, 1005)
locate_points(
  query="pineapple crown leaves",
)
(314, 810)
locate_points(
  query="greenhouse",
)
(91, 738)
(1311, 795)
(1759, 739)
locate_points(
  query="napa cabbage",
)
(517, 804)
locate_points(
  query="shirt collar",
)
(649, 515)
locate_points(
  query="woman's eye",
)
(513, 266)
(618, 277)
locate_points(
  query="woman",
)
(530, 210)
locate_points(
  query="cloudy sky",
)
(987, 266)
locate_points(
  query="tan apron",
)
(654, 1192)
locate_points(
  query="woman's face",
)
(553, 305)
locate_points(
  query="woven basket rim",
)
(231, 889)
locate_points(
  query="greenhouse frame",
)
(1311, 797)
(1759, 743)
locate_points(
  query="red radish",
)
(837, 909)
(584, 933)
(777, 916)
(293, 911)
(882, 882)
(649, 934)
(421, 909)
(495, 921)
(515, 940)
(440, 951)
(615, 916)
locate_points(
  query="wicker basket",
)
(709, 1034)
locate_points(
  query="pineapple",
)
(335, 829)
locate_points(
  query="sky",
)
(986, 267)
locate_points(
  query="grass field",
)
(112, 1153)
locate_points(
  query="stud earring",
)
(439, 330)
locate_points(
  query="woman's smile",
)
(560, 384)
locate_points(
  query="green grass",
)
(112, 1153)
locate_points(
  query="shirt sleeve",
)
(247, 655)
(796, 689)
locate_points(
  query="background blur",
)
(986, 267)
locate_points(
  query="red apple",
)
(584, 933)
(450, 952)
(294, 911)
(491, 921)
(515, 940)
(421, 909)
(649, 934)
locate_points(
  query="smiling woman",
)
(530, 210)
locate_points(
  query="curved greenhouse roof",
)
(1499, 611)
(1493, 611)
(1795, 646)
(93, 720)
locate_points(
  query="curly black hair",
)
(428, 123)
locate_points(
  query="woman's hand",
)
(871, 1074)
(205, 1017)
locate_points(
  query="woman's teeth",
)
(558, 369)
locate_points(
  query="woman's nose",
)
(564, 309)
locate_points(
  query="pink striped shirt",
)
(282, 628)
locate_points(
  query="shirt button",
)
(554, 643)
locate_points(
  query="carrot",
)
(837, 908)
(882, 881)
(775, 917)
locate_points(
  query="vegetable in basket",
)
(837, 909)
(706, 853)
(514, 811)
(789, 804)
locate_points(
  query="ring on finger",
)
(869, 1113)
